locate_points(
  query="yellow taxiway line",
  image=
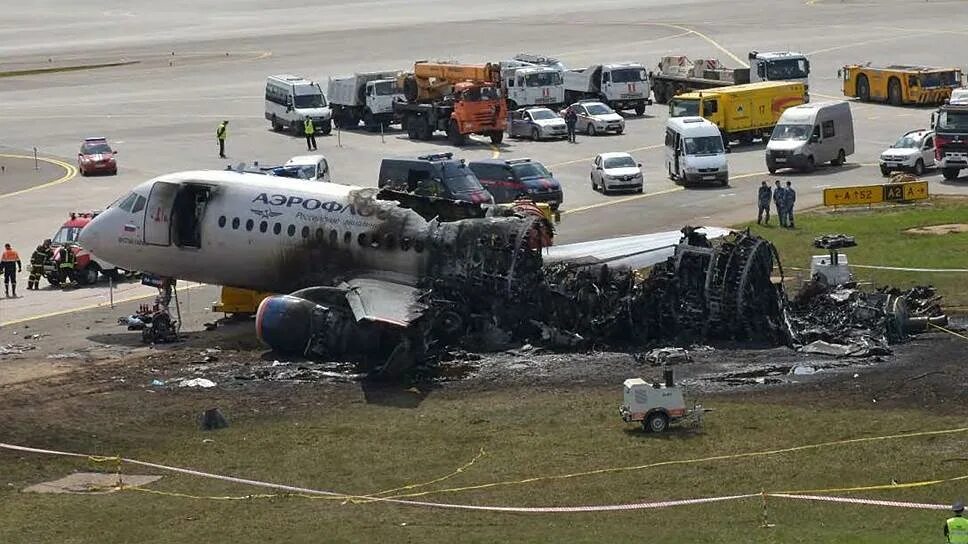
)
(70, 172)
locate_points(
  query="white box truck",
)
(366, 97)
(623, 86)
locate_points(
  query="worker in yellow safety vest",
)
(310, 131)
(956, 527)
(221, 133)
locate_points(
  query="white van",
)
(694, 151)
(811, 134)
(291, 99)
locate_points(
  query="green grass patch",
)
(882, 240)
(354, 447)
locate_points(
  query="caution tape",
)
(315, 493)
(872, 502)
(745, 455)
(949, 331)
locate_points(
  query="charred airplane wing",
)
(634, 252)
(383, 301)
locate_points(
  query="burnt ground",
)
(930, 373)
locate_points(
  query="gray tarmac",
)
(197, 63)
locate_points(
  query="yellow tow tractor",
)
(899, 85)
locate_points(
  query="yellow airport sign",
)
(874, 194)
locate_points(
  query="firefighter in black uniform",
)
(38, 259)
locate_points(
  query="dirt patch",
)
(951, 228)
(87, 483)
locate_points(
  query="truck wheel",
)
(88, 276)
(454, 135)
(640, 109)
(370, 122)
(950, 173)
(918, 168)
(656, 422)
(863, 88)
(590, 129)
(412, 131)
(497, 137)
(840, 160)
(512, 105)
(327, 128)
(894, 91)
(746, 138)
(425, 129)
(276, 125)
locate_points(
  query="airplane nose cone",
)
(90, 236)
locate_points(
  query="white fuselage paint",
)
(237, 256)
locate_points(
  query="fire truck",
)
(87, 267)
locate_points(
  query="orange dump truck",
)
(459, 99)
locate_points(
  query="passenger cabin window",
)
(828, 129)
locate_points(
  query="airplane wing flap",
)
(384, 301)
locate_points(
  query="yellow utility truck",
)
(742, 112)
(899, 85)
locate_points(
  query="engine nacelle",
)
(285, 323)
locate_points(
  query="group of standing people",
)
(783, 198)
(222, 133)
(10, 266)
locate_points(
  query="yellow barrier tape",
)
(745, 455)
(949, 331)
(459, 470)
(881, 487)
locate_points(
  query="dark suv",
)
(439, 175)
(510, 179)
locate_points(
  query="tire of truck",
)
(497, 136)
(88, 276)
(454, 135)
(658, 91)
(863, 88)
(656, 422)
(894, 91)
(918, 168)
(412, 130)
(276, 125)
(512, 105)
(840, 160)
(950, 173)
(640, 109)
(746, 138)
(327, 128)
(425, 129)
(369, 121)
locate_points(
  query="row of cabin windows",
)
(388, 241)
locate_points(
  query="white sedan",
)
(912, 152)
(594, 117)
(617, 172)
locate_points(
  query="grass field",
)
(882, 241)
(360, 448)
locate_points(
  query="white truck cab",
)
(291, 99)
(779, 66)
(623, 86)
(366, 96)
(694, 151)
(531, 85)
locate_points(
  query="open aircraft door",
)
(158, 214)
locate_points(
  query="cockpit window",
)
(128, 202)
(139, 204)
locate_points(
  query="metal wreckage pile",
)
(723, 289)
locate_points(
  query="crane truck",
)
(678, 74)
(459, 99)
(366, 97)
(622, 86)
